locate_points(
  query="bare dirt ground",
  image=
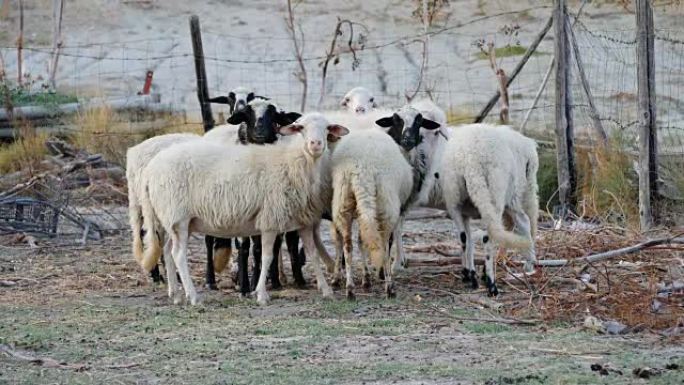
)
(90, 316)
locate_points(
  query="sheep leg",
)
(389, 284)
(459, 228)
(325, 257)
(399, 258)
(339, 251)
(366, 280)
(348, 254)
(267, 242)
(310, 247)
(470, 255)
(171, 273)
(156, 275)
(274, 267)
(256, 254)
(210, 276)
(524, 228)
(296, 258)
(243, 266)
(180, 256)
(490, 266)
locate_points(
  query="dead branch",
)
(57, 12)
(298, 43)
(335, 51)
(507, 321)
(612, 253)
(40, 361)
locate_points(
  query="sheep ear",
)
(337, 130)
(285, 118)
(237, 118)
(291, 129)
(385, 122)
(250, 97)
(220, 100)
(429, 124)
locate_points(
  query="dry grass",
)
(103, 131)
(623, 289)
(25, 153)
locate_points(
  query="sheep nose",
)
(360, 110)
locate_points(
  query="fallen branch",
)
(41, 361)
(416, 262)
(506, 321)
(612, 253)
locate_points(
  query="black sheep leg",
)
(243, 267)
(273, 271)
(209, 276)
(296, 259)
(256, 253)
(154, 273)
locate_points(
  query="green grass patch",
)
(20, 97)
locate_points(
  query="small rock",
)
(646, 372)
(593, 323)
(614, 327)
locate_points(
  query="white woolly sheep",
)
(358, 100)
(371, 181)
(251, 190)
(486, 171)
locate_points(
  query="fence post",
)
(567, 177)
(200, 72)
(648, 150)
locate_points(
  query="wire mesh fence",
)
(454, 73)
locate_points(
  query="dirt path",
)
(92, 310)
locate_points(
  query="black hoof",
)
(336, 283)
(300, 284)
(366, 282)
(350, 295)
(156, 275)
(210, 286)
(465, 275)
(276, 286)
(473, 280)
(389, 290)
(492, 290)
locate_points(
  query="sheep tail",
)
(365, 192)
(153, 250)
(481, 195)
(136, 221)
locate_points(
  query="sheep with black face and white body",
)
(478, 171)
(251, 190)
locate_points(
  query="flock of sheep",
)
(269, 172)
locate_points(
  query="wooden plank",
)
(567, 179)
(201, 73)
(587, 91)
(648, 152)
(533, 47)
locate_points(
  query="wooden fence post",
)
(530, 50)
(202, 89)
(57, 13)
(567, 177)
(648, 149)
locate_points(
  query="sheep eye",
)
(372, 100)
(346, 100)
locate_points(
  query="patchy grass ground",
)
(90, 309)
